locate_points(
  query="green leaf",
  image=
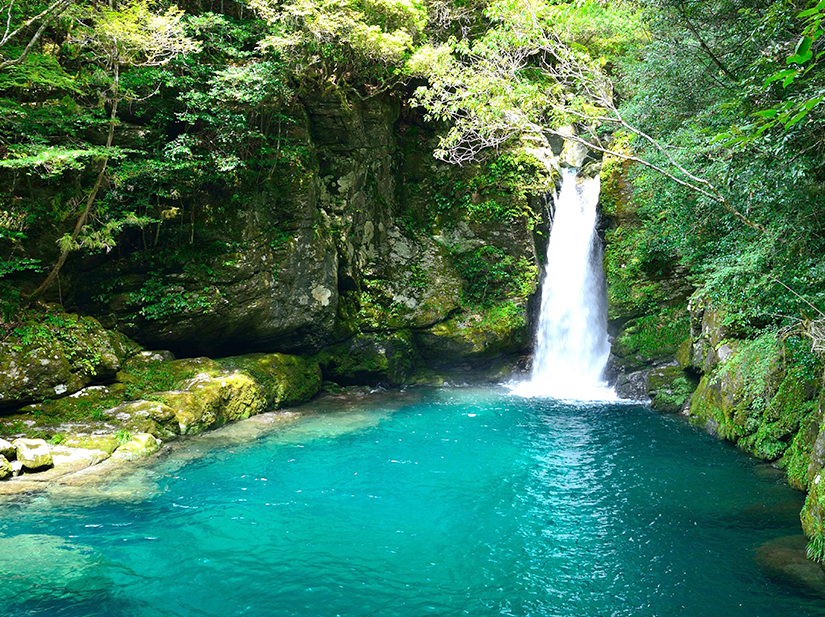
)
(766, 113)
(803, 51)
(814, 10)
(786, 75)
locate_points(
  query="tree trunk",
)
(81, 221)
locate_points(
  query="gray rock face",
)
(33, 454)
(633, 386)
(318, 253)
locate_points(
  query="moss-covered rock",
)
(33, 454)
(212, 400)
(57, 354)
(153, 371)
(286, 380)
(143, 416)
(7, 449)
(63, 455)
(477, 336)
(813, 518)
(763, 398)
(139, 446)
(669, 388)
(650, 340)
(730, 401)
(370, 359)
(107, 443)
(5, 468)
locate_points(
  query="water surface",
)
(438, 502)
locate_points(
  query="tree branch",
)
(48, 11)
(48, 16)
(704, 45)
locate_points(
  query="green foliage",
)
(39, 71)
(701, 98)
(157, 300)
(491, 275)
(123, 436)
(57, 439)
(77, 337)
(654, 337)
(809, 92)
(330, 42)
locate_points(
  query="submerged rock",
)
(38, 567)
(785, 558)
(33, 454)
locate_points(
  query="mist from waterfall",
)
(572, 345)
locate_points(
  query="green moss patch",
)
(652, 339)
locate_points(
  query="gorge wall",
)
(366, 254)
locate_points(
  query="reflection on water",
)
(439, 502)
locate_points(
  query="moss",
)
(651, 339)
(84, 405)
(734, 396)
(484, 333)
(370, 358)
(210, 401)
(669, 388)
(141, 375)
(763, 398)
(285, 380)
(53, 354)
(813, 519)
(780, 422)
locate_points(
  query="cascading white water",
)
(572, 345)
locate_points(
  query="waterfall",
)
(572, 345)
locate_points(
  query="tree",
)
(10, 34)
(522, 77)
(129, 35)
(341, 42)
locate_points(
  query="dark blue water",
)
(443, 502)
